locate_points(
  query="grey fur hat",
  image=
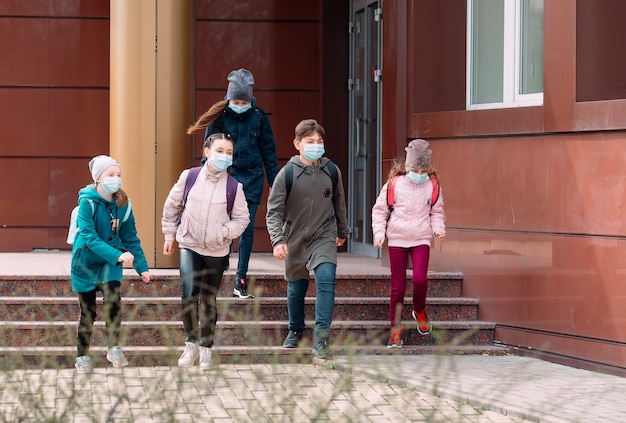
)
(418, 155)
(240, 85)
(99, 164)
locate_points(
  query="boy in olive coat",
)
(307, 221)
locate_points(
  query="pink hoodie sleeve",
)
(380, 214)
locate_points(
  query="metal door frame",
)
(356, 6)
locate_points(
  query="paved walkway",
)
(385, 388)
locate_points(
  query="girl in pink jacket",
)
(204, 229)
(409, 218)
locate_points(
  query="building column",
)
(151, 106)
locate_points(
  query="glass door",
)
(364, 128)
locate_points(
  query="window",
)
(505, 53)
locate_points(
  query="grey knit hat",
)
(417, 155)
(240, 85)
(99, 164)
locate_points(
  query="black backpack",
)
(330, 169)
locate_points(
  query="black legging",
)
(200, 277)
(112, 316)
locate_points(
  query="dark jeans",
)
(200, 277)
(245, 244)
(325, 279)
(112, 316)
(398, 260)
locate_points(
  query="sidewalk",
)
(392, 388)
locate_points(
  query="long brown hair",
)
(208, 117)
(121, 198)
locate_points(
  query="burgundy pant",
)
(398, 259)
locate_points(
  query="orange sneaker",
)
(395, 341)
(423, 324)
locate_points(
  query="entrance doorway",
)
(364, 127)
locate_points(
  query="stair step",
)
(230, 308)
(64, 357)
(258, 333)
(440, 285)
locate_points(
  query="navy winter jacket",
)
(255, 150)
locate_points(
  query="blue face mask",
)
(239, 109)
(111, 185)
(220, 161)
(417, 178)
(313, 152)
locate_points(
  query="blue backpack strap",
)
(127, 214)
(231, 193)
(191, 179)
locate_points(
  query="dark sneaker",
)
(293, 339)
(423, 324)
(320, 346)
(241, 290)
(395, 341)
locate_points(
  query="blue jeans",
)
(325, 278)
(245, 244)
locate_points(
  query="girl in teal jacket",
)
(106, 239)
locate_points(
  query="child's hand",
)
(340, 241)
(379, 242)
(281, 251)
(146, 276)
(126, 258)
(168, 248)
(440, 234)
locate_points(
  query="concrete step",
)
(230, 308)
(251, 333)
(139, 356)
(440, 285)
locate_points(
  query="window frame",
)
(511, 96)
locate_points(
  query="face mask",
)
(111, 185)
(239, 109)
(417, 178)
(313, 151)
(220, 161)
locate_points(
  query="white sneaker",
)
(188, 357)
(83, 364)
(116, 356)
(205, 358)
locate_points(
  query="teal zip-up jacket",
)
(97, 246)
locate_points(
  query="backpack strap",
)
(390, 189)
(391, 186)
(127, 214)
(288, 179)
(436, 189)
(231, 193)
(191, 179)
(231, 188)
(330, 169)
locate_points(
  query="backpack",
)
(392, 184)
(330, 169)
(73, 229)
(231, 187)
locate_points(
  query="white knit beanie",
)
(98, 164)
